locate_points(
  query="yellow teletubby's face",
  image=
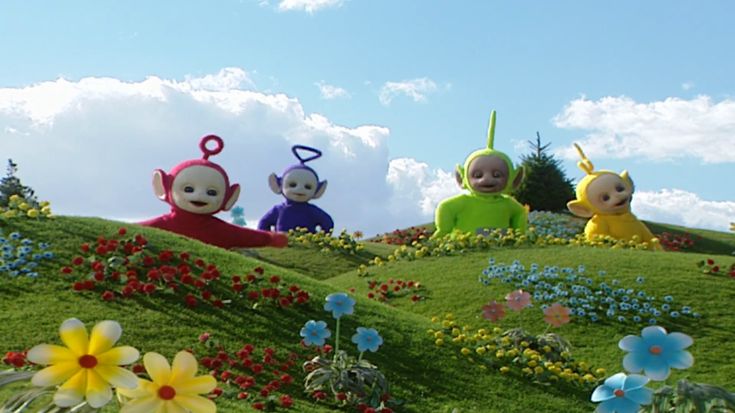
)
(610, 194)
(199, 189)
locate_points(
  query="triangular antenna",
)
(491, 131)
(317, 153)
(585, 164)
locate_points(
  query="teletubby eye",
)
(619, 188)
(188, 189)
(497, 174)
(605, 197)
(292, 184)
(477, 174)
(308, 186)
(211, 192)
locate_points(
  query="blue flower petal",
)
(635, 381)
(679, 359)
(616, 381)
(602, 393)
(642, 395)
(656, 368)
(635, 361)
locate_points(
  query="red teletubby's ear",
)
(161, 184)
(234, 194)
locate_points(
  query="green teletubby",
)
(489, 176)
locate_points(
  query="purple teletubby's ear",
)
(320, 190)
(160, 184)
(274, 182)
(234, 194)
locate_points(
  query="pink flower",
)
(518, 300)
(556, 315)
(493, 311)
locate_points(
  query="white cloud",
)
(416, 89)
(679, 207)
(330, 92)
(90, 146)
(687, 85)
(664, 130)
(309, 6)
(417, 189)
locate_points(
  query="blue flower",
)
(668, 298)
(315, 333)
(622, 394)
(636, 319)
(339, 304)
(652, 321)
(640, 279)
(655, 352)
(15, 235)
(686, 310)
(674, 314)
(367, 339)
(665, 307)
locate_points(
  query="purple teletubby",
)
(299, 184)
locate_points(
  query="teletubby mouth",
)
(198, 203)
(623, 202)
(299, 194)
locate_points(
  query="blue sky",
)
(528, 60)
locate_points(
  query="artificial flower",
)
(367, 339)
(556, 315)
(339, 304)
(87, 366)
(315, 333)
(493, 311)
(622, 394)
(656, 351)
(173, 389)
(518, 300)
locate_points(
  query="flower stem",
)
(359, 359)
(336, 340)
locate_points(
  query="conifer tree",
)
(545, 187)
(10, 185)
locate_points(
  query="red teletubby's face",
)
(199, 189)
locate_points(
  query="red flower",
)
(286, 401)
(218, 303)
(286, 379)
(275, 279)
(101, 250)
(108, 295)
(216, 392)
(138, 369)
(253, 295)
(320, 395)
(257, 368)
(85, 247)
(204, 337)
(122, 231)
(237, 287)
(341, 396)
(259, 270)
(716, 269)
(242, 395)
(264, 393)
(258, 406)
(710, 261)
(77, 261)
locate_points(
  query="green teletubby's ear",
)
(518, 179)
(459, 175)
(491, 131)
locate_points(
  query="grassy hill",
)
(428, 378)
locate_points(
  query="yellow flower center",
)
(166, 392)
(88, 361)
(655, 350)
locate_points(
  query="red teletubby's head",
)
(198, 185)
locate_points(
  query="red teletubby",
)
(196, 190)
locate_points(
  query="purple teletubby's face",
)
(488, 174)
(610, 194)
(198, 189)
(299, 185)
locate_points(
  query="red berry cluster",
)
(675, 242)
(384, 291)
(259, 377)
(406, 236)
(709, 266)
(16, 359)
(257, 288)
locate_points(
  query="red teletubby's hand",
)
(279, 240)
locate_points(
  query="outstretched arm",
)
(324, 221)
(233, 236)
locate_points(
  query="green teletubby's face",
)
(488, 174)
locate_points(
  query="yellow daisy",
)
(172, 389)
(87, 366)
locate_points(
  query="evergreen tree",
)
(545, 187)
(11, 185)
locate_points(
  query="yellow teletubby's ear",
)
(626, 178)
(579, 209)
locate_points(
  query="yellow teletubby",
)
(604, 197)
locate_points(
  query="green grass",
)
(430, 379)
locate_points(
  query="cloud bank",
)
(664, 130)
